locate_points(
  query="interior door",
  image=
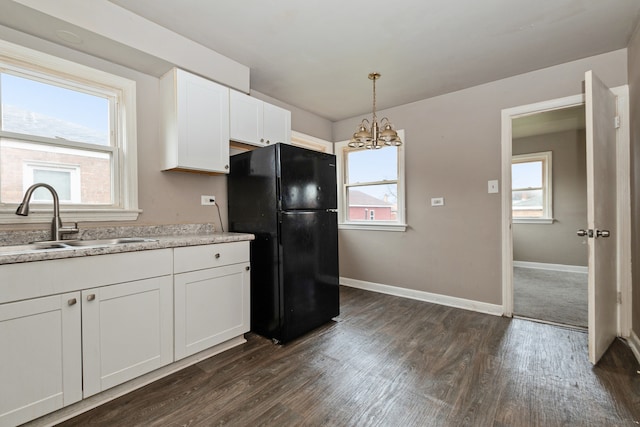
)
(600, 105)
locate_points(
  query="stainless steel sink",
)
(32, 247)
(108, 242)
(70, 244)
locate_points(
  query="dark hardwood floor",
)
(389, 361)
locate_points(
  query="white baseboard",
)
(481, 307)
(634, 344)
(554, 267)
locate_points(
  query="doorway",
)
(600, 330)
(549, 203)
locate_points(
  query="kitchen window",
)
(72, 127)
(371, 187)
(531, 188)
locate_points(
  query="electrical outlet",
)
(208, 200)
(437, 201)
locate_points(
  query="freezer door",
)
(307, 179)
(309, 265)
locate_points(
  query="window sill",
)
(533, 220)
(39, 216)
(372, 227)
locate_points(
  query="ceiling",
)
(316, 55)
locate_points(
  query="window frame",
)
(377, 225)
(546, 157)
(27, 62)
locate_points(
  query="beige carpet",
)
(552, 296)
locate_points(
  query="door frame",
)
(623, 196)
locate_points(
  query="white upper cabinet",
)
(256, 122)
(195, 123)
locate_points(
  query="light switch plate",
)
(437, 201)
(493, 186)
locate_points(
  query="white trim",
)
(300, 139)
(449, 301)
(372, 227)
(38, 215)
(634, 343)
(623, 181)
(533, 220)
(552, 267)
(623, 188)
(400, 223)
(546, 158)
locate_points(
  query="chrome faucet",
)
(57, 230)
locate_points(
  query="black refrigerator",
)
(287, 197)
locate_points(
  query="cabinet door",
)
(211, 306)
(203, 124)
(246, 119)
(40, 360)
(277, 124)
(127, 331)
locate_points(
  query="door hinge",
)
(619, 298)
(616, 122)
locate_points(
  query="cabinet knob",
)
(268, 142)
(226, 166)
(261, 139)
(72, 301)
(217, 256)
(247, 268)
(91, 297)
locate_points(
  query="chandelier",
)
(373, 138)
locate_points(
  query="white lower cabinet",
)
(40, 357)
(212, 306)
(211, 286)
(127, 331)
(72, 328)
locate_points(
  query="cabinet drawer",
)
(192, 258)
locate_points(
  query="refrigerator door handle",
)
(332, 210)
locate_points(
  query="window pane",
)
(372, 165)
(19, 162)
(34, 108)
(527, 204)
(373, 202)
(60, 180)
(526, 175)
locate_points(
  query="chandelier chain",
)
(374, 99)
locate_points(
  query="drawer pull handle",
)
(91, 297)
(217, 256)
(72, 301)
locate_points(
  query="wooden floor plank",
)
(388, 361)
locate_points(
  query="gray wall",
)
(301, 120)
(557, 243)
(634, 105)
(452, 150)
(164, 197)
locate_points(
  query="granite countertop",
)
(156, 237)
